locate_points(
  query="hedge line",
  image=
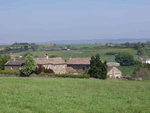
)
(49, 74)
(10, 72)
(66, 75)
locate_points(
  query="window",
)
(68, 65)
(87, 66)
(83, 68)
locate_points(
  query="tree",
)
(137, 46)
(34, 46)
(143, 45)
(27, 53)
(98, 69)
(140, 52)
(29, 66)
(3, 60)
(125, 59)
(26, 48)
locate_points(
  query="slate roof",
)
(85, 61)
(14, 63)
(57, 60)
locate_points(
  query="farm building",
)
(114, 72)
(13, 65)
(58, 65)
(113, 63)
(79, 64)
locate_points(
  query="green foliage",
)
(108, 76)
(29, 66)
(27, 53)
(137, 62)
(3, 60)
(10, 72)
(66, 75)
(125, 59)
(111, 53)
(97, 68)
(140, 52)
(52, 56)
(137, 46)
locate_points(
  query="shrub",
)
(108, 76)
(66, 75)
(117, 77)
(10, 72)
(40, 68)
(110, 53)
(42, 73)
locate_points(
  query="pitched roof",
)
(57, 60)
(110, 67)
(79, 61)
(14, 63)
(71, 70)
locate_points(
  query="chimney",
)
(46, 56)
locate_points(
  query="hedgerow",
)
(66, 75)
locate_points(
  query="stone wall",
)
(57, 68)
(79, 68)
(13, 68)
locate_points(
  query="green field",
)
(58, 95)
(126, 70)
(82, 53)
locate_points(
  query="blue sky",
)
(46, 20)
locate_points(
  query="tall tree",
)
(26, 47)
(3, 60)
(125, 59)
(97, 68)
(29, 66)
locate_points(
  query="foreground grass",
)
(51, 95)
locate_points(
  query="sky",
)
(46, 20)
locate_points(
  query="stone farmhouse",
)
(78, 65)
(59, 66)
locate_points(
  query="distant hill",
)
(98, 41)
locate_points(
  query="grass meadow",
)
(82, 53)
(126, 70)
(61, 95)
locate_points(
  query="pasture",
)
(60, 95)
(82, 53)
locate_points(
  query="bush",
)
(52, 56)
(66, 75)
(108, 76)
(10, 72)
(40, 68)
(117, 77)
(110, 53)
